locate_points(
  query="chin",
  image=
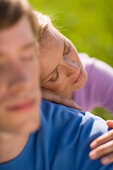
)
(30, 127)
(82, 83)
(29, 130)
(26, 130)
(25, 127)
(23, 131)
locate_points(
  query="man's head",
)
(19, 72)
(11, 11)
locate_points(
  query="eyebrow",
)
(63, 48)
(65, 42)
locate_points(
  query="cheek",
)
(74, 55)
(59, 86)
(3, 86)
(34, 72)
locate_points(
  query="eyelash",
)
(57, 76)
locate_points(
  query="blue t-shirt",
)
(62, 142)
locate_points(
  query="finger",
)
(101, 150)
(102, 139)
(107, 159)
(110, 123)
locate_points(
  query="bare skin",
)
(11, 149)
(103, 146)
(61, 68)
(20, 92)
(56, 54)
(54, 97)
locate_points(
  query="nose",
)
(71, 67)
(18, 78)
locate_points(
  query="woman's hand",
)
(56, 98)
(103, 146)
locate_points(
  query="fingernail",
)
(93, 144)
(93, 155)
(105, 160)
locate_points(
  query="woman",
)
(62, 72)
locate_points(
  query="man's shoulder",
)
(50, 109)
(59, 112)
(61, 117)
(70, 132)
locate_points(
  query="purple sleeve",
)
(98, 91)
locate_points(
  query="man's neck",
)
(11, 145)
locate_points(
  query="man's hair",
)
(11, 11)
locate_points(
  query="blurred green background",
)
(87, 23)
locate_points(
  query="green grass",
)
(103, 113)
(87, 23)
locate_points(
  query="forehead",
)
(51, 36)
(15, 36)
(51, 51)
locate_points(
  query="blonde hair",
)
(44, 22)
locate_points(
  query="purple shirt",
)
(98, 91)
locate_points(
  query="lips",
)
(78, 78)
(25, 105)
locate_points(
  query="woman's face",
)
(61, 68)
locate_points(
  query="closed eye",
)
(55, 76)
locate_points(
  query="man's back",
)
(69, 137)
(62, 141)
